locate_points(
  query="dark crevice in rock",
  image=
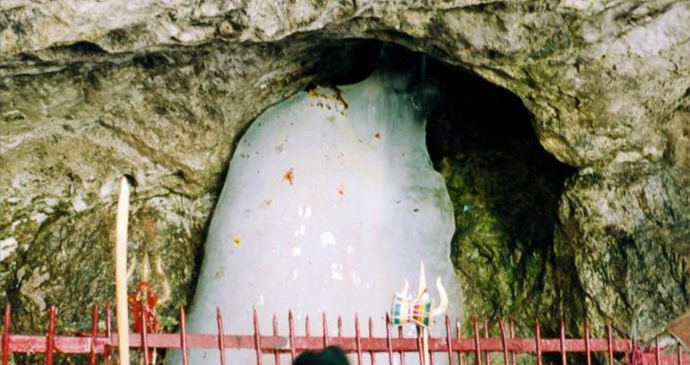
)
(505, 188)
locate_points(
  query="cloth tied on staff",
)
(416, 310)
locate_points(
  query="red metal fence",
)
(97, 344)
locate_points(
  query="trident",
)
(418, 309)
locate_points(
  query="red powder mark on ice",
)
(377, 135)
(341, 190)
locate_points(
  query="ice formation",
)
(329, 203)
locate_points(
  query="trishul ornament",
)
(419, 309)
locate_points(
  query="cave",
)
(564, 154)
(502, 186)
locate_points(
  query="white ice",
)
(326, 208)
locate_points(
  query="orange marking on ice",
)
(377, 135)
(289, 176)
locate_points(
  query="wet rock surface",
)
(162, 90)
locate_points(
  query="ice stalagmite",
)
(329, 203)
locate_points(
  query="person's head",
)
(331, 355)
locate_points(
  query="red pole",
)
(512, 335)
(324, 324)
(658, 351)
(587, 344)
(145, 332)
(679, 350)
(428, 350)
(108, 333)
(371, 335)
(6, 337)
(610, 340)
(94, 333)
(563, 357)
(221, 336)
(291, 328)
(449, 341)
(183, 337)
(505, 341)
(540, 361)
(402, 354)
(486, 335)
(50, 344)
(389, 341)
(340, 326)
(419, 345)
(257, 338)
(276, 353)
(358, 340)
(457, 335)
(478, 352)
(307, 327)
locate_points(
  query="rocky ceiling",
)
(161, 89)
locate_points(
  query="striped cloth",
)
(416, 310)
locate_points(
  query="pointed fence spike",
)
(144, 332)
(487, 355)
(94, 334)
(564, 361)
(307, 327)
(478, 353)
(609, 337)
(358, 340)
(512, 336)
(108, 333)
(6, 336)
(291, 329)
(183, 337)
(401, 353)
(276, 353)
(458, 335)
(540, 360)
(371, 335)
(389, 340)
(257, 338)
(504, 340)
(50, 340)
(340, 326)
(679, 351)
(324, 324)
(588, 346)
(657, 353)
(221, 336)
(449, 341)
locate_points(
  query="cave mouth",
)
(504, 186)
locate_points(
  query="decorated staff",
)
(121, 272)
(419, 309)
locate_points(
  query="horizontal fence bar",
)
(270, 344)
(94, 343)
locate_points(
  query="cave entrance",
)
(500, 183)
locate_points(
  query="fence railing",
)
(454, 348)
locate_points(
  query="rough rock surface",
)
(161, 90)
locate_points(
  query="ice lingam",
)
(329, 203)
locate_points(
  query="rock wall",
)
(160, 90)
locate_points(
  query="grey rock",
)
(161, 90)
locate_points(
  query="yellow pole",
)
(121, 272)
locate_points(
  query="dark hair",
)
(331, 355)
